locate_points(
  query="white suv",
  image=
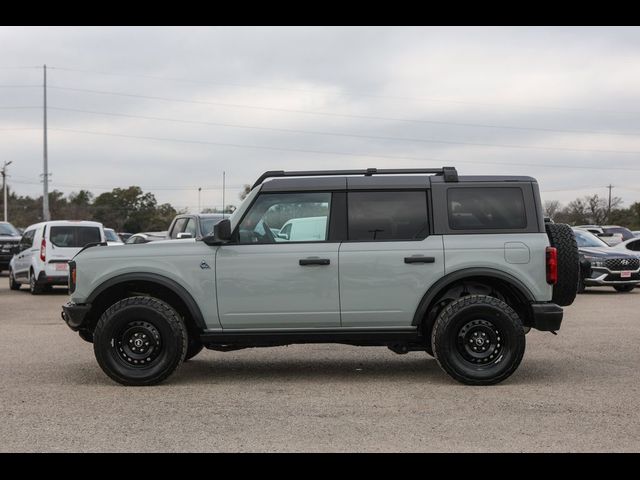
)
(46, 248)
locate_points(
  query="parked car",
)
(376, 278)
(617, 229)
(45, 249)
(9, 239)
(146, 237)
(193, 225)
(112, 237)
(124, 236)
(631, 246)
(602, 265)
(305, 229)
(610, 235)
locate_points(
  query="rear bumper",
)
(546, 317)
(74, 315)
(44, 279)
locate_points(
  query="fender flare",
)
(175, 287)
(443, 283)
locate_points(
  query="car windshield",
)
(587, 239)
(111, 235)
(8, 230)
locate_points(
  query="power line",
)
(311, 132)
(347, 94)
(310, 112)
(322, 152)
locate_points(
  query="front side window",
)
(634, 246)
(27, 240)
(486, 208)
(177, 227)
(191, 227)
(74, 237)
(287, 217)
(388, 215)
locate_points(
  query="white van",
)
(305, 229)
(46, 248)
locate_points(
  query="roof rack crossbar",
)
(450, 174)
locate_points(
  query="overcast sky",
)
(559, 104)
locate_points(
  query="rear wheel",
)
(34, 287)
(140, 341)
(478, 340)
(624, 288)
(13, 285)
(562, 238)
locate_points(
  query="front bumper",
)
(74, 315)
(603, 277)
(546, 317)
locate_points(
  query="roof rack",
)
(450, 174)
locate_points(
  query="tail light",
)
(43, 250)
(552, 265)
(72, 276)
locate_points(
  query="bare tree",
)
(551, 208)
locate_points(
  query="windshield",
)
(587, 239)
(111, 235)
(207, 224)
(9, 230)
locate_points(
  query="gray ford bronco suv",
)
(411, 259)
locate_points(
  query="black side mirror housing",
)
(221, 233)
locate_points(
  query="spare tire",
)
(561, 237)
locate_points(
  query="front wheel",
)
(624, 288)
(478, 340)
(140, 341)
(13, 285)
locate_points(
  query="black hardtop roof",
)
(373, 178)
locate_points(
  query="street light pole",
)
(46, 215)
(4, 186)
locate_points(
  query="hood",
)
(604, 252)
(9, 238)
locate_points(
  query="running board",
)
(263, 338)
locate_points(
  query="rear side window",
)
(388, 215)
(74, 237)
(480, 208)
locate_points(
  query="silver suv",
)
(414, 260)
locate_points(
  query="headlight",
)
(595, 261)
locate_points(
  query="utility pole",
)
(4, 186)
(609, 208)
(223, 194)
(199, 204)
(46, 216)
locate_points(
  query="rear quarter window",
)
(486, 208)
(73, 237)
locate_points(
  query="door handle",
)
(314, 261)
(419, 259)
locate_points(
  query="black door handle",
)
(419, 259)
(314, 261)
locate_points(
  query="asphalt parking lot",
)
(578, 391)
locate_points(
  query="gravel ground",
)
(578, 391)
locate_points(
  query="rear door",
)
(64, 241)
(390, 258)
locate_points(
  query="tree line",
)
(123, 209)
(594, 210)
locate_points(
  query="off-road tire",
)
(624, 288)
(13, 285)
(561, 237)
(470, 314)
(194, 347)
(115, 329)
(34, 287)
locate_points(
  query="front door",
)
(277, 277)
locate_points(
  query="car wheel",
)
(34, 288)
(13, 285)
(194, 347)
(140, 341)
(478, 340)
(624, 288)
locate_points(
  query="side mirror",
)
(221, 233)
(185, 235)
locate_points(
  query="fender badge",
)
(203, 265)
